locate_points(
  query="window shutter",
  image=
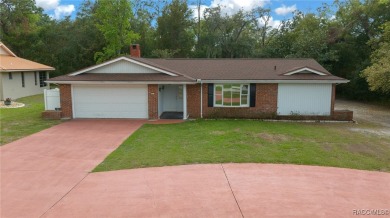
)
(210, 101)
(252, 97)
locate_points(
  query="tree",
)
(305, 36)
(20, 22)
(113, 21)
(378, 73)
(174, 30)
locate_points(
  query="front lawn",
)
(243, 141)
(20, 122)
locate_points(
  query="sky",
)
(280, 9)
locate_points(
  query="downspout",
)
(201, 97)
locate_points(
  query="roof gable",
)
(4, 50)
(305, 70)
(123, 65)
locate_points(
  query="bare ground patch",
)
(273, 137)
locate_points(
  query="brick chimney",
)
(135, 51)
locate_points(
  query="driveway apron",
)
(38, 170)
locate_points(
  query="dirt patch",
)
(364, 149)
(364, 113)
(380, 132)
(217, 132)
(273, 137)
(327, 147)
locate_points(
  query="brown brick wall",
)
(51, 115)
(193, 101)
(153, 101)
(266, 104)
(66, 100)
(333, 99)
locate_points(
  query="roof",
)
(187, 70)
(244, 69)
(10, 62)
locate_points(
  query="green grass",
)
(17, 123)
(243, 141)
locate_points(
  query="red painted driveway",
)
(38, 170)
(227, 190)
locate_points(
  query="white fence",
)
(52, 99)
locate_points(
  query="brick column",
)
(66, 101)
(153, 101)
(333, 99)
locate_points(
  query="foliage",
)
(378, 74)
(174, 28)
(113, 20)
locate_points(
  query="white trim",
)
(117, 82)
(119, 59)
(71, 94)
(275, 81)
(7, 49)
(302, 70)
(240, 106)
(184, 102)
(201, 98)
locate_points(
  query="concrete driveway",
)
(38, 170)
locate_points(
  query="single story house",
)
(135, 87)
(20, 77)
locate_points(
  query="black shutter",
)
(210, 101)
(252, 95)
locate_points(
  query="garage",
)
(110, 101)
(304, 99)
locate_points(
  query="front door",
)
(173, 98)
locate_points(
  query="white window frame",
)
(222, 85)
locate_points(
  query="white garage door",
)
(110, 101)
(304, 99)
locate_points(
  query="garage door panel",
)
(304, 99)
(110, 101)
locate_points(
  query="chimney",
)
(135, 51)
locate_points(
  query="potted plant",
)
(7, 101)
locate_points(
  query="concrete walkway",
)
(46, 175)
(39, 170)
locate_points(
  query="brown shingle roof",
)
(188, 70)
(243, 69)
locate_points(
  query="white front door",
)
(110, 101)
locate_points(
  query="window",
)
(9, 75)
(42, 78)
(35, 78)
(22, 79)
(231, 95)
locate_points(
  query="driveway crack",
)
(65, 195)
(223, 169)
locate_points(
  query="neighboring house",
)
(134, 87)
(20, 77)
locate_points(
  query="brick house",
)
(135, 87)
